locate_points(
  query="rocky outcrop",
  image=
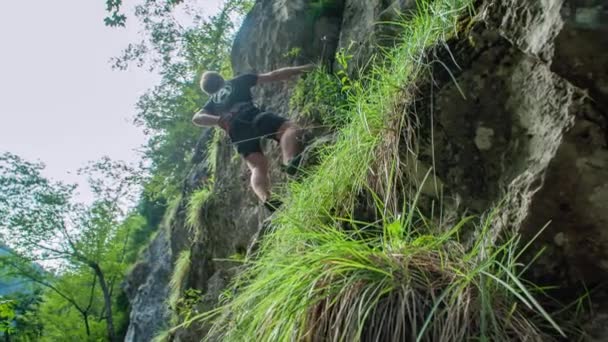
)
(147, 289)
(147, 284)
(520, 118)
(361, 33)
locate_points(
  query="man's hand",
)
(283, 73)
(224, 121)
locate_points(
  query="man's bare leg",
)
(260, 181)
(288, 139)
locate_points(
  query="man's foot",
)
(293, 166)
(272, 204)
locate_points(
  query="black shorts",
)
(247, 129)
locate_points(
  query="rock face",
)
(147, 284)
(524, 119)
(147, 289)
(521, 117)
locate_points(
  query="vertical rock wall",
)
(523, 118)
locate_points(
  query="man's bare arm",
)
(204, 119)
(283, 73)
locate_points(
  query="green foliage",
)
(371, 103)
(194, 218)
(19, 317)
(183, 303)
(162, 336)
(195, 206)
(32, 207)
(7, 315)
(180, 272)
(165, 113)
(238, 257)
(186, 305)
(115, 17)
(75, 312)
(387, 280)
(122, 254)
(142, 224)
(137, 228)
(172, 209)
(62, 322)
(343, 58)
(293, 52)
(320, 97)
(212, 154)
(86, 243)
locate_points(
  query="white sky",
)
(60, 102)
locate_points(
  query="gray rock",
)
(147, 289)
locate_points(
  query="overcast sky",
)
(60, 102)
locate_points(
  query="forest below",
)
(63, 261)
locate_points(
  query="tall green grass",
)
(400, 284)
(198, 199)
(319, 97)
(180, 272)
(196, 203)
(162, 336)
(373, 102)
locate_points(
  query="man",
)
(231, 107)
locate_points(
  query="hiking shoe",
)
(293, 166)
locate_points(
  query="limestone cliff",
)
(515, 110)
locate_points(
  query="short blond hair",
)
(211, 82)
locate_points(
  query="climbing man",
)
(231, 107)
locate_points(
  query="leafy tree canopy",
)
(41, 222)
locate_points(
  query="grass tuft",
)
(171, 211)
(197, 200)
(373, 104)
(162, 336)
(180, 272)
(319, 97)
(385, 281)
(195, 207)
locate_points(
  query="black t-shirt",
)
(234, 97)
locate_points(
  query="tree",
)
(7, 316)
(116, 17)
(19, 319)
(174, 49)
(18, 266)
(79, 317)
(178, 53)
(40, 222)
